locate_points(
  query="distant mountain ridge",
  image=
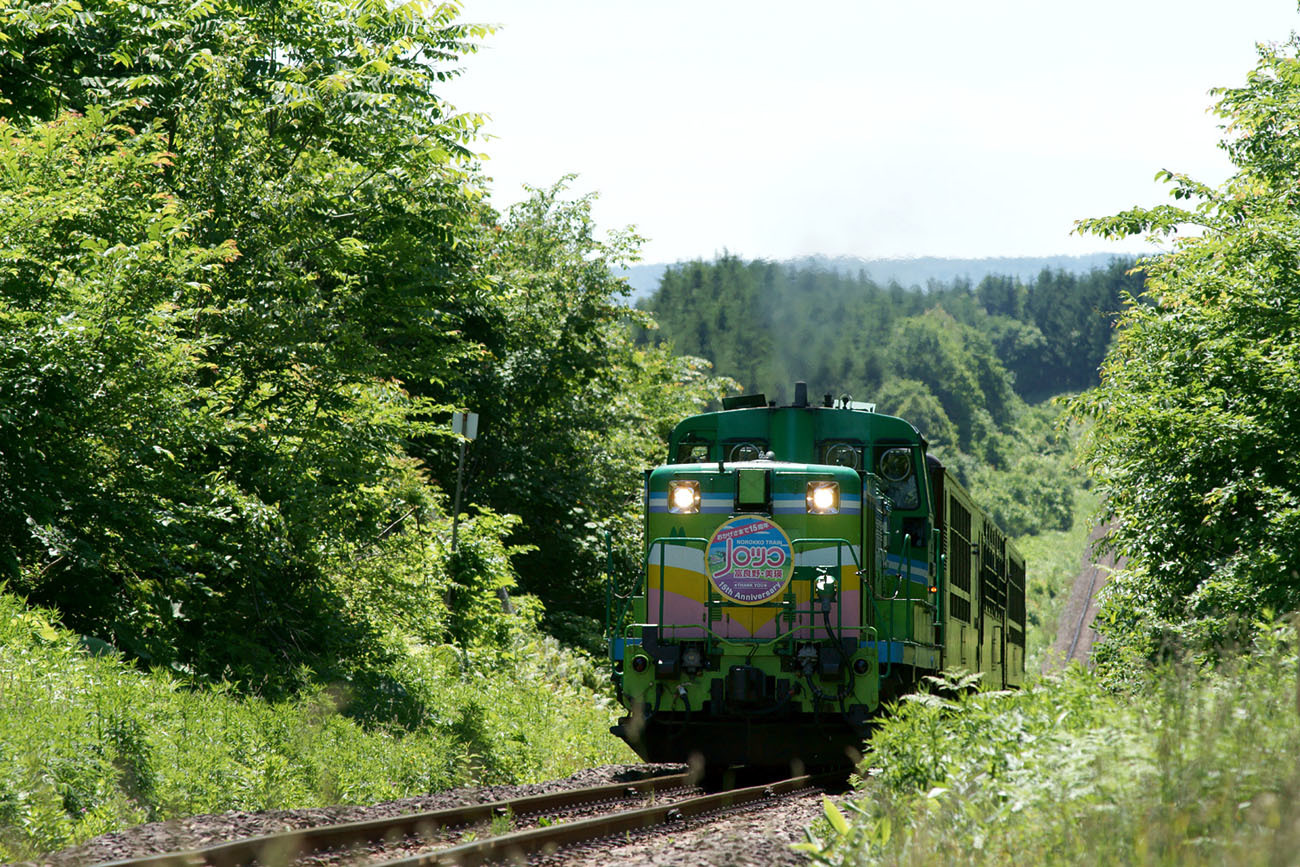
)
(919, 271)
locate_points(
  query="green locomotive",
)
(805, 564)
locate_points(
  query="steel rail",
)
(283, 848)
(519, 845)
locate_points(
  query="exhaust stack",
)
(800, 394)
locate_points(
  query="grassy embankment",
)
(89, 744)
(1181, 767)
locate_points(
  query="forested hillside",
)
(769, 324)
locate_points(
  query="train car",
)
(804, 566)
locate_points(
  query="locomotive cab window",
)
(692, 451)
(896, 468)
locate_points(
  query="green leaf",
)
(884, 829)
(835, 817)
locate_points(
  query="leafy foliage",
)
(167, 497)
(244, 269)
(1182, 770)
(1029, 483)
(955, 364)
(1196, 416)
(96, 417)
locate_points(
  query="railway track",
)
(439, 837)
(1085, 614)
(1075, 634)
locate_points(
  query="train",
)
(804, 566)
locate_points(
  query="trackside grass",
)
(1183, 767)
(89, 744)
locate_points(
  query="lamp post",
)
(464, 424)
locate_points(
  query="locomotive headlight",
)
(823, 498)
(683, 496)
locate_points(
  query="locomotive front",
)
(751, 637)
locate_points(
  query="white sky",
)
(869, 128)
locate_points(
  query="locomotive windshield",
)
(692, 451)
(747, 450)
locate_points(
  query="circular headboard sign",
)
(750, 560)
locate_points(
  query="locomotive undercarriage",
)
(800, 709)
(771, 736)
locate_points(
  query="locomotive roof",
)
(711, 467)
(806, 424)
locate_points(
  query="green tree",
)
(912, 399)
(99, 284)
(571, 409)
(1195, 421)
(958, 366)
(250, 252)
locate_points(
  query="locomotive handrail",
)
(840, 544)
(940, 564)
(662, 543)
(904, 565)
(838, 541)
(657, 549)
(904, 562)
